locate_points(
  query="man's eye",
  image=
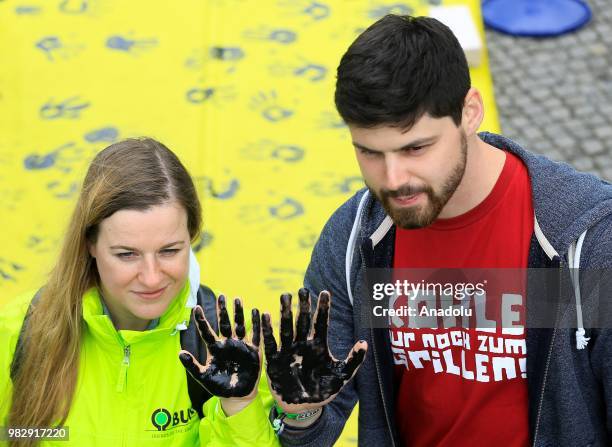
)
(368, 153)
(412, 150)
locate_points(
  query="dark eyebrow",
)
(415, 143)
(123, 247)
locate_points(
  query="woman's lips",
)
(151, 295)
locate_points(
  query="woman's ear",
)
(473, 112)
(92, 249)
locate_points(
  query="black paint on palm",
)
(233, 365)
(303, 371)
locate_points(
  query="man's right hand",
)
(304, 375)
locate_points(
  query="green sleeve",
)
(11, 319)
(249, 427)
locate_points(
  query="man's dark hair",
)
(400, 69)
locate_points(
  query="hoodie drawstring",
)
(573, 257)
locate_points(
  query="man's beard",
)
(419, 216)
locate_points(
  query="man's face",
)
(415, 172)
(143, 262)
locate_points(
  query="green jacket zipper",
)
(123, 370)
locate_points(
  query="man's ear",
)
(473, 112)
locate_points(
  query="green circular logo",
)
(160, 419)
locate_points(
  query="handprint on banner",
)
(222, 190)
(268, 150)
(9, 270)
(314, 11)
(332, 186)
(216, 95)
(30, 10)
(287, 209)
(281, 36)
(62, 190)
(203, 241)
(331, 121)
(130, 45)
(199, 58)
(105, 134)
(70, 108)
(11, 199)
(268, 107)
(303, 69)
(381, 10)
(63, 158)
(291, 241)
(74, 6)
(41, 244)
(283, 278)
(53, 48)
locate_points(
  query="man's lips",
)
(406, 200)
(151, 295)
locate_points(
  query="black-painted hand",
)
(232, 364)
(303, 374)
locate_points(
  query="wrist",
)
(304, 423)
(302, 419)
(233, 405)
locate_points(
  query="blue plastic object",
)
(538, 18)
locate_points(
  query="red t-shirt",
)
(464, 386)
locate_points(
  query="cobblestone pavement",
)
(554, 95)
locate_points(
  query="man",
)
(440, 195)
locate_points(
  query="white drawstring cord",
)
(573, 256)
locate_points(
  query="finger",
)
(321, 317)
(255, 319)
(206, 332)
(239, 319)
(192, 366)
(269, 341)
(225, 328)
(303, 323)
(286, 326)
(355, 359)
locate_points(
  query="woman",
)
(98, 350)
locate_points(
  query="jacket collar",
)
(101, 326)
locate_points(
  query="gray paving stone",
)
(593, 147)
(607, 174)
(555, 94)
(604, 132)
(583, 163)
(603, 161)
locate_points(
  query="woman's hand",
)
(233, 364)
(303, 375)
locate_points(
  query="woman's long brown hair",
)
(131, 174)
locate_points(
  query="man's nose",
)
(396, 173)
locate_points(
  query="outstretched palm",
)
(232, 364)
(303, 374)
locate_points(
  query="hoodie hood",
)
(566, 202)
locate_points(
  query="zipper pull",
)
(121, 381)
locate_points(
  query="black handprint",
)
(303, 374)
(232, 364)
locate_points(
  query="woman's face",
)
(143, 262)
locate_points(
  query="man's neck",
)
(483, 167)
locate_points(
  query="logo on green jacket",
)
(163, 420)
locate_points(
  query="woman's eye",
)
(125, 254)
(170, 251)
